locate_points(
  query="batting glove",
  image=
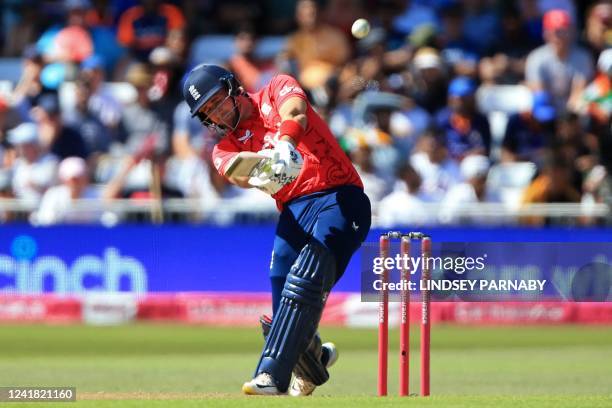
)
(287, 162)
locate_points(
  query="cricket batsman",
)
(325, 215)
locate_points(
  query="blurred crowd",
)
(445, 102)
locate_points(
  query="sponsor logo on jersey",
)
(286, 89)
(195, 94)
(266, 109)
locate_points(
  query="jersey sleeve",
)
(222, 153)
(283, 87)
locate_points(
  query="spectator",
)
(532, 19)
(278, 16)
(191, 142)
(559, 67)
(100, 15)
(189, 138)
(597, 27)
(23, 30)
(4, 108)
(598, 94)
(377, 134)
(342, 13)
(165, 92)
(429, 84)
(481, 25)
(96, 136)
(178, 42)
(412, 16)
(474, 170)
(142, 174)
(426, 36)
(57, 204)
(405, 205)
(190, 176)
(595, 189)
(252, 71)
(544, 6)
(166, 76)
(407, 125)
(101, 102)
(374, 186)
(438, 172)
(506, 63)
(146, 26)
(146, 139)
(318, 49)
(7, 153)
(34, 169)
(228, 14)
(554, 185)
(365, 73)
(73, 43)
(529, 134)
(573, 145)
(385, 15)
(457, 50)
(61, 140)
(140, 122)
(405, 121)
(29, 87)
(466, 130)
(5, 193)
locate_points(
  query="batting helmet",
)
(204, 81)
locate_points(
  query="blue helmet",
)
(203, 82)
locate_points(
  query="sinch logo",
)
(25, 271)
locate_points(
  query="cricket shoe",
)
(300, 386)
(263, 384)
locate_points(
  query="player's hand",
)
(286, 162)
(272, 176)
(263, 177)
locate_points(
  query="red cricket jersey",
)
(325, 164)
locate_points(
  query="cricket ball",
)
(360, 28)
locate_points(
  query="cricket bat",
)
(246, 164)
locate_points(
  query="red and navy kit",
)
(325, 203)
(325, 216)
(325, 164)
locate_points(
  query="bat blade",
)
(244, 164)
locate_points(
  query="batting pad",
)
(309, 363)
(296, 321)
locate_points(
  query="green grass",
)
(180, 366)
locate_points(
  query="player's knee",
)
(312, 274)
(283, 257)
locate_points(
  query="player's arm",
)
(222, 154)
(291, 103)
(293, 119)
(289, 100)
